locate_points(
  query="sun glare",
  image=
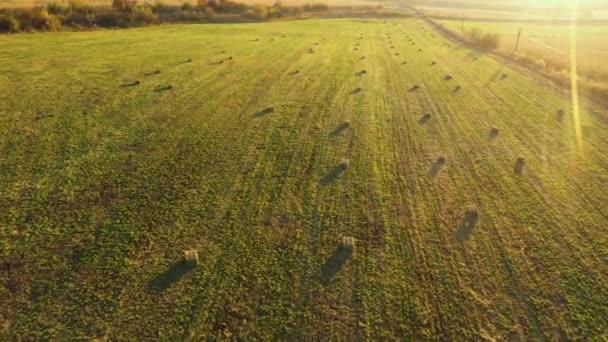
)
(574, 79)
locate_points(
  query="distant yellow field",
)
(548, 41)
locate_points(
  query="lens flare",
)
(574, 79)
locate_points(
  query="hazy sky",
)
(510, 4)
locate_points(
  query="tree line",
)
(79, 15)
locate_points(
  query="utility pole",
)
(518, 37)
(462, 24)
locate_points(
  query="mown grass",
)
(102, 188)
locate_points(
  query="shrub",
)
(120, 5)
(227, 6)
(8, 23)
(488, 41)
(111, 18)
(161, 8)
(37, 19)
(275, 12)
(258, 12)
(317, 7)
(142, 15)
(540, 64)
(56, 8)
(78, 5)
(209, 12)
(84, 17)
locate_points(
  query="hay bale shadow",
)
(216, 63)
(160, 88)
(457, 89)
(447, 78)
(504, 76)
(362, 72)
(414, 88)
(424, 119)
(132, 84)
(559, 115)
(155, 72)
(437, 166)
(295, 72)
(170, 276)
(336, 131)
(333, 175)
(599, 115)
(355, 91)
(334, 264)
(518, 168)
(41, 116)
(469, 222)
(264, 112)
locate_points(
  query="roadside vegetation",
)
(592, 72)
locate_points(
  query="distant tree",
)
(317, 7)
(209, 12)
(9, 23)
(56, 8)
(258, 12)
(119, 5)
(78, 5)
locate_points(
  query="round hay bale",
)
(191, 257)
(348, 243)
(344, 163)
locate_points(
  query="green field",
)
(548, 40)
(103, 185)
